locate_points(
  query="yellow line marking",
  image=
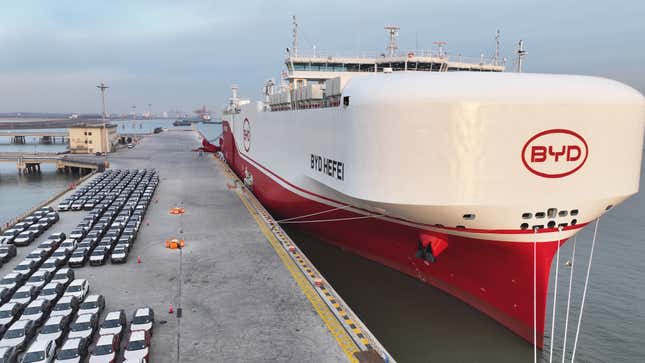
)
(343, 339)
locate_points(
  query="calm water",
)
(418, 323)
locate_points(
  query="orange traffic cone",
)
(170, 309)
(138, 259)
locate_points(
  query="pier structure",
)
(30, 162)
(44, 137)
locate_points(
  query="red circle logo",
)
(246, 134)
(555, 153)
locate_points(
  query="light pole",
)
(103, 87)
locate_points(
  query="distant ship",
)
(203, 114)
(182, 123)
(451, 171)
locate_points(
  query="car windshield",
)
(15, 333)
(89, 305)
(74, 288)
(58, 254)
(34, 357)
(21, 294)
(98, 252)
(5, 314)
(62, 276)
(49, 291)
(62, 306)
(81, 326)
(48, 329)
(67, 354)
(8, 234)
(22, 267)
(111, 324)
(78, 254)
(103, 349)
(32, 310)
(136, 345)
(7, 281)
(37, 278)
(141, 319)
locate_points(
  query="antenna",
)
(294, 46)
(440, 44)
(521, 53)
(392, 47)
(497, 35)
(150, 110)
(103, 87)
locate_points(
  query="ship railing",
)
(419, 53)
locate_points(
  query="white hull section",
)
(432, 150)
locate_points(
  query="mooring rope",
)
(584, 291)
(314, 214)
(334, 219)
(534, 295)
(566, 320)
(555, 297)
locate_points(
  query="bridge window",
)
(89, 133)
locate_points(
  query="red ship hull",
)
(493, 276)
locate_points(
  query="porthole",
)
(563, 213)
(574, 222)
(551, 212)
(527, 216)
(538, 226)
(563, 225)
(469, 216)
(540, 215)
(461, 227)
(524, 226)
(574, 212)
(551, 224)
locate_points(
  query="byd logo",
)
(246, 134)
(555, 153)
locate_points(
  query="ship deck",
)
(241, 300)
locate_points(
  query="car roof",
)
(25, 288)
(138, 335)
(19, 324)
(52, 284)
(56, 319)
(63, 270)
(40, 272)
(72, 343)
(8, 305)
(142, 311)
(37, 302)
(12, 274)
(83, 318)
(113, 315)
(38, 345)
(65, 299)
(105, 339)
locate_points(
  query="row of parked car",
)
(93, 193)
(29, 228)
(41, 300)
(110, 228)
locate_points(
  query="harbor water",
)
(418, 323)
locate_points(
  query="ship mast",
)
(497, 36)
(294, 46)
(392, 47)
(521, 53)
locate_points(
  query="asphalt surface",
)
(239, 303)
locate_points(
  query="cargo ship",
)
(456, 172)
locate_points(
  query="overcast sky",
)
(182, 54)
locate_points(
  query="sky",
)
(182, 54)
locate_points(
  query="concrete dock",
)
(239, 301)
